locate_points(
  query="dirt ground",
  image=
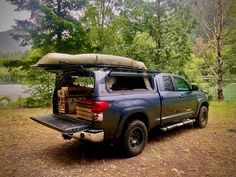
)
(30, 149)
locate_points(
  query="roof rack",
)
(119, 68)
(66, 66)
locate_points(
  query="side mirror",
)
(194, 88)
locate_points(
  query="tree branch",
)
(207, 22)
(209, 66)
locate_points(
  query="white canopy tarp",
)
(96, 59)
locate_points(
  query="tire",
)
(202, 118)
(134, 138)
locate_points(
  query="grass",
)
(229, 91)
(223, 111)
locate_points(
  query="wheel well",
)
(138, 116)
(205, 104)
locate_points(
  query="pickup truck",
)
(120, 103)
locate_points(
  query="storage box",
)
(68, 105)
(84, 112)
(69, 96)
(62, 105)
(73, 91)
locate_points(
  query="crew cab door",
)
(177, 103)
(169, 99)
(187, 99)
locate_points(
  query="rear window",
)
(118, 83)
(78, 81)
(77, 85)
(84, 81)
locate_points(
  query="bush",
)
(33, 102)
(7, 102)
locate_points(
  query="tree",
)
(52, 25)
(137, 30)
(175, 36)
(228, 45)
(213, 17)
(98, 19)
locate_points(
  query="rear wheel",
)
(202, 117)
(134, 138)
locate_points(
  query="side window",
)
(181, 84)
(118, 83)
(168, 84)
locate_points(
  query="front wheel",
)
(134, 138)
(202, 117)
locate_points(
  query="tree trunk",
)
(219, 71)
(218, 32)
(103, 9)
(59, 30)
(158, 8)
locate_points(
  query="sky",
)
(7, 15)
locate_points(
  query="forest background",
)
(192, 38)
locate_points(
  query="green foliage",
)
(99, 19)
(198, 73)
(140, 34)
(7, 102)
(39, 83)
(229, 47)
(127, 28)
(229, 92)
(51, 28)
(59, 34)
(130, 29)
(142, 49)
(40, 86)
(7, 76)
(176, 50)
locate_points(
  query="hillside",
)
(9, 45)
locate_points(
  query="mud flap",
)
(61, 123)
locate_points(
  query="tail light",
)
(99, 106)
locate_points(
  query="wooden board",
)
(68, 105)
(84, 111)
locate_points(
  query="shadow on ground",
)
(74, 152)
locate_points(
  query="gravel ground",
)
(29, 149)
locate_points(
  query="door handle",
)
(181, 96)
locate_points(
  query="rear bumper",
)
(89, 135)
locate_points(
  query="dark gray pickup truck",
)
(121, 104)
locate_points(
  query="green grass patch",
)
(229, 92)
(223, 111)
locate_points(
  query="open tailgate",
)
(61, 123)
